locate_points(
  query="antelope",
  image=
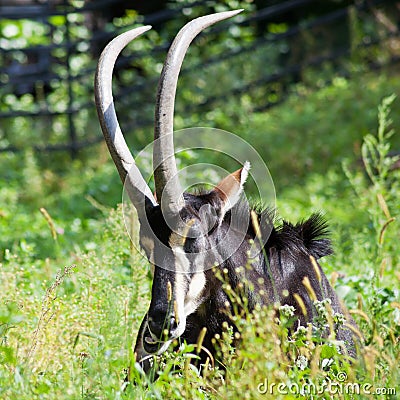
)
(188, 237)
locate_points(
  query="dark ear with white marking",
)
(228, 191)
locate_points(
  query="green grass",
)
(74, 290)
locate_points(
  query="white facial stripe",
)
(182, 266)
(182, 263)
(193, 298)
(187, 298)
(180, 289)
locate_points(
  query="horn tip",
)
(238, 11)
(142, 29)
(134, 32)
(227, 14)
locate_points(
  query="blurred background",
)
(298, 79)
(49, 50)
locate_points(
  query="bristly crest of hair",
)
(313, 233)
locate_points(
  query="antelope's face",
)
(180, 249)
(179, 234)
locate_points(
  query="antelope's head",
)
(179, 232)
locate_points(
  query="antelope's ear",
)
(230, 188)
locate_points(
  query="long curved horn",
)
(129, 173)
(164, 163)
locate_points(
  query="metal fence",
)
(49, 52)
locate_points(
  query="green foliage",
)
(73, 291)
(202, 96)
(378, 191)
(23, 33)
(72, 301)
(83, 318)
(69, 199)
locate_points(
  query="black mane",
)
(311, 235)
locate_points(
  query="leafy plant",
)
(83, 324)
